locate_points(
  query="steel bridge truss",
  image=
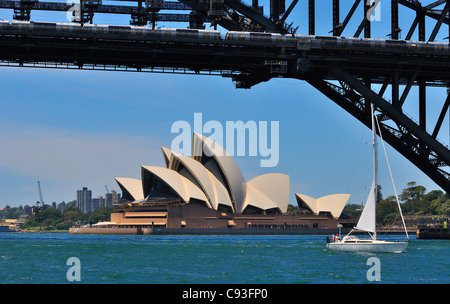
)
(353, 86)
(401, 132)
(234, 15)
(354, 93)
(230, 14)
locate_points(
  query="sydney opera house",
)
(208, 190)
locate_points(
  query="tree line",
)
(415, 201)
(54, 219)
(56, 216)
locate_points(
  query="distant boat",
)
(367, 220)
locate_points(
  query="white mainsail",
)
(367, 220)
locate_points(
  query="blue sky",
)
(70, 128)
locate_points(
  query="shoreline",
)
(209, 231)
(218, 231)
(42, 231)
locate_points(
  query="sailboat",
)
(367, 220)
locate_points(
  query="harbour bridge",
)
(251, 47)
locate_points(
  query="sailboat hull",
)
(369, 246)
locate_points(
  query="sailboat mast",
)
(375, 163)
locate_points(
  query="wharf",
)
(95, 230)
(382, 230)
(440, 232)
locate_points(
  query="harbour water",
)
(210, 259)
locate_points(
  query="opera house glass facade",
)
(208, 190)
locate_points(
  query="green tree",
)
(353, 210)
(379, 194)
(102, 214)
(434, 205)
(13, 213)
(30, 222)
(412, 197)
(71, 204)
(61, 206)
(432, 195)
(292, 209)
(444, 209)
(387, 210)
(47, 219)
(73, 215)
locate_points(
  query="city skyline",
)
(108, 199)
(72, 128)
(88, 203)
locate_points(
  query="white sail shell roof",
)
(211, 175)
(275, 187)
(211, 186)
(166, 154)
(367, 220)
(333, 203)
(130, 187)
(227, 171)
(256, 198)
(180, 184)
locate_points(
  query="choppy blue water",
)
(42, 258)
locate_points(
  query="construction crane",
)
(107, 190)
(41, 200)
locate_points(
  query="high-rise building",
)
(111, 198)
(84, 200)
(87, 203)
(98, 202)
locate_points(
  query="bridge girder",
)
(404, 135)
